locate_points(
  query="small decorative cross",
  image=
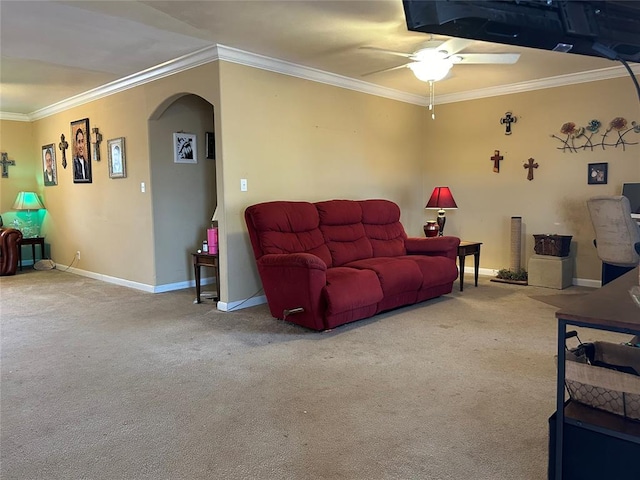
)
(63, 145)
(508, 119)
(5, 165)
(496, 160)
(530, 165)
(96, 138)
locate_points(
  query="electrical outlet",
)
(78, 254)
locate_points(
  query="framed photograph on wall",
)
(185, 149)
(81, 151)
(117, 159)
(210, 143)
(597, 173)
(49, 167)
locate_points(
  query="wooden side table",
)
(469, 248)
(33, 242)
(206, 260)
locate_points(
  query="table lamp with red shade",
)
(441, 198)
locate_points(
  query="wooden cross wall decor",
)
(96, 139)
(496, 160)
(530, 165)
(508, 119)
(63, 145)
(5, 165)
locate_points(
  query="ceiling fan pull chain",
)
(431, 100)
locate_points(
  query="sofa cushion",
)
(341, 226)
(350, 289)
(287, 227)
(435, 270)
(381, 221)
(395, 275)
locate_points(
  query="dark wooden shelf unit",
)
(609, 308)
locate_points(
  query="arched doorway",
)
(183, 195)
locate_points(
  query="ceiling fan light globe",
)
(431, 71)
(429, 55)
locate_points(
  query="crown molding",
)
(185, 62)
(16, 117)
(241, 57)
(234, 55)
(540, 84)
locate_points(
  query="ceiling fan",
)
(434, 60)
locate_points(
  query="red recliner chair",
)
(9, 245)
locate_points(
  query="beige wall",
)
(300, 140)
(464, 136)
(110, 220)
(16, 140)
(294, 139)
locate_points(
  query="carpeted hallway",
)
(105, 382)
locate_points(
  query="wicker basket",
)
(603, 388)
(555, 245)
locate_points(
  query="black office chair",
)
(617, 235)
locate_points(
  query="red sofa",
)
(344, 260)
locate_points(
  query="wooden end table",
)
(33, 242)
(469, 248)
(206, 260)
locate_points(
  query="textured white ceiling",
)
(54, 50)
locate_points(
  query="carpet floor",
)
(100, 381)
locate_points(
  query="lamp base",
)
(27, 226)
(441, 221)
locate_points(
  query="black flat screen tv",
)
(609, 29)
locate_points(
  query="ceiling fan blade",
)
(386, 69)
(475, 58)
(390, 52)
(454, 45)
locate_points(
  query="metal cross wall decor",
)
(63, 145)
(5, 165)
(530, 165)
(508, 119)
(496, 160)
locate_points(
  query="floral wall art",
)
(618, 133)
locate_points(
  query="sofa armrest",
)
(446, 246)
(9, 245)
(293, 281)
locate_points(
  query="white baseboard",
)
(168, 287)
(586, 282)
(222, 306)
(240, 304)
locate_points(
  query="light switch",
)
(143, 187)
(243, 184)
